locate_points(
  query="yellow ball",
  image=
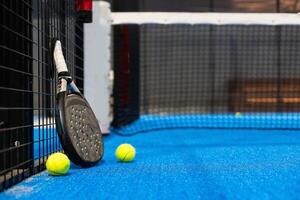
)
(237, 114)
(125, 153)
(58, 164)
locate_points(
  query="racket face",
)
(81, 132)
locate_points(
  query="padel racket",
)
(76, 124)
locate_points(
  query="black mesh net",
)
(27, 104)
(202, 75)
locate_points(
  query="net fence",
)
(211, 70)
(27, 90)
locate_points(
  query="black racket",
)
(76, 124)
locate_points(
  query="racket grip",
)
(59, 59)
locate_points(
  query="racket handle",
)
(59, 59)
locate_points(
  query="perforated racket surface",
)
(77, 125)
(83, 129)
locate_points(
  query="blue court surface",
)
(182, 164)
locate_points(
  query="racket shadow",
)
(73, 166)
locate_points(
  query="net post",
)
(98, 63)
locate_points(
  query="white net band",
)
(205, 18)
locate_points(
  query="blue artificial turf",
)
(182, 164)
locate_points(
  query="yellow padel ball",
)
(58, 164)
(237, 114)
(125, 153)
